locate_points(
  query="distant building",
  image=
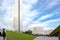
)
(47, 32)
(40, 31)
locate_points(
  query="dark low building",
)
(56, 32)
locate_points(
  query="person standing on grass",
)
(4, 34)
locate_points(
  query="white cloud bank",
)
(7, 20)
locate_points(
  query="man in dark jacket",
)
(0, 34)
(4, 34)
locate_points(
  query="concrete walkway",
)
(46, 38)
(1, 38)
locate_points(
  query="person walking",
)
(4, 34)
(0, 33)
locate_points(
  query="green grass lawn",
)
(18, 36)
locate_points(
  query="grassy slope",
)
(18, 36)
(55, 31)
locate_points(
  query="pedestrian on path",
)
(4, 34)
(0, 33)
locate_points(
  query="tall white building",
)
(18, 15)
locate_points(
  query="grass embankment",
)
(56, 32)
(18, 36)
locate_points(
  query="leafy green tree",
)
(28, 32)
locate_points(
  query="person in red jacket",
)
(4, 34)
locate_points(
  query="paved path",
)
(46, 38)
(1, 38)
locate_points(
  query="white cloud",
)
(30, 1)
(7, 20)
(53, 20)
(45, 17)
(29, 17)
(50, 24)
(27, 14)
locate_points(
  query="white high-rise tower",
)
(18, 16)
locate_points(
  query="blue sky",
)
(36, 13)
(41, 13)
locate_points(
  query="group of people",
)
(3, 34)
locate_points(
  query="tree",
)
(28, 32)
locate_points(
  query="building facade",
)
(41, 31)
(18, 15)
(38, 30)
